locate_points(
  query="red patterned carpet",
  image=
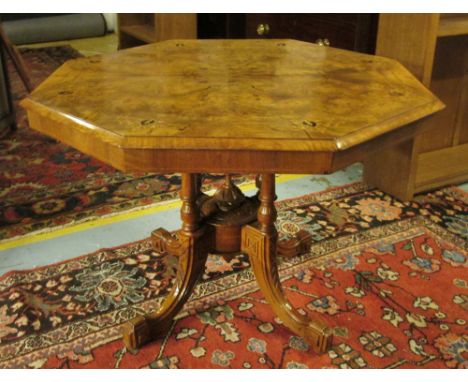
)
(45, 184)
(389, 277)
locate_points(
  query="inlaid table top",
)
(241, 95)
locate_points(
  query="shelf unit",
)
(434, 47)
(143, 28)
(453, 24)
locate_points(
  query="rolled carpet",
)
(55, 28)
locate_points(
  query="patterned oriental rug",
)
(389, 277)
(45, 184)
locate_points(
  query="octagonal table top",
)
(233, 95)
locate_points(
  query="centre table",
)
(231, 106)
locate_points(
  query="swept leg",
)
(191, 245)
(259, 242)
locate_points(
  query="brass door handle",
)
(263, 29)
(323, 42)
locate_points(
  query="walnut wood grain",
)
(281, 95)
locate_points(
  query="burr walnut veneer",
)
(245, 106)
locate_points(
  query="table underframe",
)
(227, 222)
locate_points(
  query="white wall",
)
(111, 21)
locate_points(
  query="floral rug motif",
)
(45, 184)
(389, 277)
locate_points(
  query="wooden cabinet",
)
(435, 48)
(348, 31)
